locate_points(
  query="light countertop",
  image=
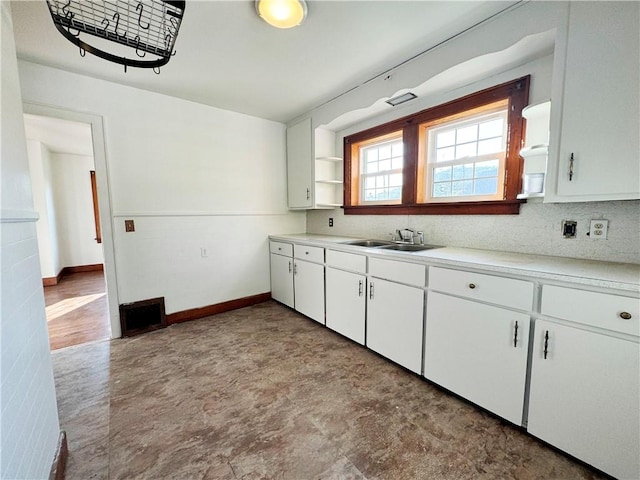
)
(619, 276)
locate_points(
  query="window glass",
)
(465, 157)
(381, 171)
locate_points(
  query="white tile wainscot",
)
(583, 317)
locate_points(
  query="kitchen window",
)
(380, 162)
(461, 157)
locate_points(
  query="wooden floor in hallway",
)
(77, 310)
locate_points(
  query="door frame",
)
(104, 198)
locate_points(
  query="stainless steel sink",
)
(406, 247)
(369, 243)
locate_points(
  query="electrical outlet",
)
(598, 229)
(569, 228)
(331, 221)
(129, 226)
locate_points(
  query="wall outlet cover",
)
(598, 229)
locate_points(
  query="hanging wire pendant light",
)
(114, 29)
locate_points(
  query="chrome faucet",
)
(406, 235)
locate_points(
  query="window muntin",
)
(466, 157)
(381, 172)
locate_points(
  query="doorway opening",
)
(70, 189)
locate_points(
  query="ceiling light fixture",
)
(282, 13)
(395, 101)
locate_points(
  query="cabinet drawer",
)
(312, 254)
(601, 310)
(281, 248)
(347, 261)
(487, 288)
(409, 273)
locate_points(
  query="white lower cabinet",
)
(584, 396)
(309, 289)
(394, 322)
(584, 390)
(346, 298)
(282, 279)
(479, 352)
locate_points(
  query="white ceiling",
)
(227, 57)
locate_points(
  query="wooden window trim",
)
(517, 93)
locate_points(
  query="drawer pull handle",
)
(546, 343)
(515, 335)
(370, 290)
(289, 266)
(360, 288)
(472, 286)
(625, 315)
(295, 268)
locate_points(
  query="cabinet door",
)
(600, 113)
(479, 352)
(584, 396)
(394, 322)
(282, 279)
(299, 165)
(346, 296)
(309, 289)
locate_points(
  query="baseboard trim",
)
(59, 465)
(96, 267)
(51, 281)
(195, 313)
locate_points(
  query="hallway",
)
(77, 310)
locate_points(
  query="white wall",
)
(46, 226)
(529, 20)
(190, 176)
(73, 205)
(29, 417)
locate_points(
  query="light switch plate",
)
(129, 226)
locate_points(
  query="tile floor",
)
(264, 393)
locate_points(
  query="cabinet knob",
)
(472, 286)
(625, 315)
(306, 253)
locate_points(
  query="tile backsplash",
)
(536, 230)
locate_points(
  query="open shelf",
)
(330, 182)
(329, 159)
(521, 196)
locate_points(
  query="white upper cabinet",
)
(299, 165)
(314, 173)
(595, 124)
